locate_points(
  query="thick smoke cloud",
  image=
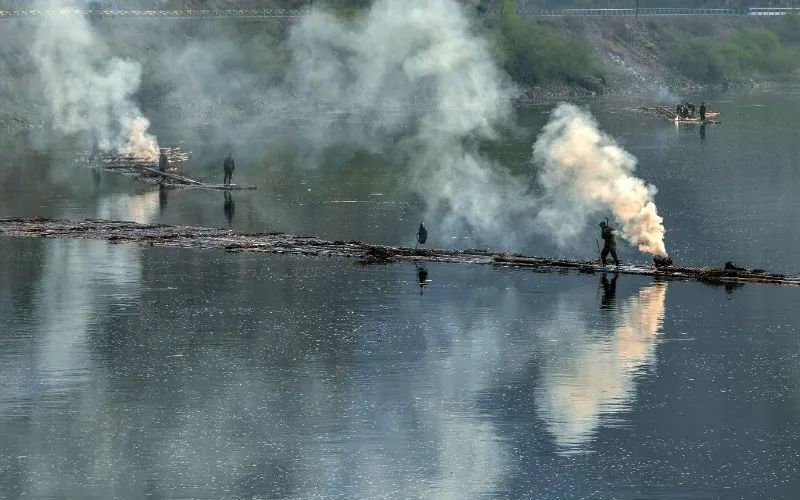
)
(410, 81)
(585, 172)
(87, 89)
(429, 92)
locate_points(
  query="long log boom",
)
(364, 253)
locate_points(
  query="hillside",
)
(628, 55)
(548, 58)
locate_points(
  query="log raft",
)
(364, 253)
(670, 114)
(144, 171)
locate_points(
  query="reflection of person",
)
(228, 166)
(609, 243)
(162, 197)
(702, 132)
(422, 277)
(229, 207)
(609, 299)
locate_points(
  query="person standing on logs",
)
(228, 166)
(702, 111)
(163, 161)
(609, 243)
(422, 235)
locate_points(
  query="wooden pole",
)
(184, 180)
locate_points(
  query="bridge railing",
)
(666, 11)
(772, 11)
(156, 14)
(276, 13)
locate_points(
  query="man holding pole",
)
(609, 243)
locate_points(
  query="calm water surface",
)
(129, 372)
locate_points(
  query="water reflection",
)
(78, 282)
(142, 208)
(422, 277)
(609, 299)
(162, 198)
(229, 207)
(592, 377)
(703, 132)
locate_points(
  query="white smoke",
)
(584, 172)
(430, 93)
(88, 90)
(413, 79)
(410, 80)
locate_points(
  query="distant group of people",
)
(687, 110)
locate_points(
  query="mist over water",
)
(410, 80)
(431, 91)
(131, 371)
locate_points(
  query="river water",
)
(129, 372)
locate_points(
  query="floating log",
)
(174, 177)
(223, 187)
(365, 253)
(116, 163)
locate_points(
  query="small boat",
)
(695, 120)
(670, 114)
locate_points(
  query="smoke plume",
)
(412, 79)
(585, 172)
(87, 89)
(430, 92)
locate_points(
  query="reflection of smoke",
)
(429, 90)
(584, 171)
(88, 90)
(596, 377)
(142, 208)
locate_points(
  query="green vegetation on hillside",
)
(757, 51)
(533, 53)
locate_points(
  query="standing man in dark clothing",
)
(422, 235)
(702, 111)
(609, 243)
(163, 161)
(228, 166)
